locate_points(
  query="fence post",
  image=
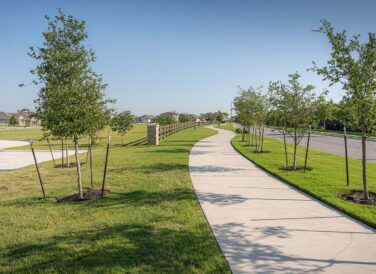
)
(153, 135)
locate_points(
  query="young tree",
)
(242, 111)
(185, 117)
(353, 65)
(71, 92)
(324, 110)
(295, 104)
(122, 123)
(166, 120)
(13, 121)
(219, 117)
(100, 118)
(245, 109)
(261, 109)
(344, 113)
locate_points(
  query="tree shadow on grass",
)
(115, 199)
(145, 198)
(159, 167)
(141, 141)
(120, 248)
(138, 142)
(172, 150)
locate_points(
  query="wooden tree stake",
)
(306, 154)
(36, 165)
(52, 154)
(105, 165)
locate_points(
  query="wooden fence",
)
(157, 132)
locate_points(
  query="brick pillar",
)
(153, 135)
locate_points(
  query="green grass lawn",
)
(229, 126)
(20, 133)
(151, 222)
(326, 180)
(36, 135)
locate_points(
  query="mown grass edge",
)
(310, 193)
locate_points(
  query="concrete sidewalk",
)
(263, 225)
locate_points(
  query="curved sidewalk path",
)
(263, 225)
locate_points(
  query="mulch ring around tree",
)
(357, 196)
(89, 194)
(70, 165)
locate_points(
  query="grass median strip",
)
(228, 126)
(325, 179)
(149, 222)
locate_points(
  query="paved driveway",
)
(13, 159)
(263, 225)
(12, 143)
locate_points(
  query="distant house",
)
(4, 118)
(226, 117)
(25, 119)
(146, 119)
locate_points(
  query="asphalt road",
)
(331, 144)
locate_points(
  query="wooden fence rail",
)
(157, 132)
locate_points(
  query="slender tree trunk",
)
(79, 182)
(253, 135)
(262, 139)
(284, 141)
(364, 165)
(324, 124)
(62, 153)
(91, 166)
(122, 139)
(87, 152)
(249, 135)
(259, 148)
(66, 152)
(346, 157)
(243, 133)
(295, 146)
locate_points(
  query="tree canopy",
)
(166, 119)
(71, 98)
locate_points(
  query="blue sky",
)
(187, 56)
